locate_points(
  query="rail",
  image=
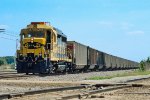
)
(99, 88)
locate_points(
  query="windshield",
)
(35, 34)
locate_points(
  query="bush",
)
(142, 66)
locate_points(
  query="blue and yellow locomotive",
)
(42, 49)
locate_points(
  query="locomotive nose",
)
(33, 45)
(34, 40)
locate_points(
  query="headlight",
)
(40, 54)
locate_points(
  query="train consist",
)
(45, 49)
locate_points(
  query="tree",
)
(142, 66)
(1, 62)
(148, 60)
(9, 59)
(6, 60)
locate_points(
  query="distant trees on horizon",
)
(6, 60)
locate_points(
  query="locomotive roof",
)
(60, 32)
(46, 25)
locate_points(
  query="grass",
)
(6, 67)
(135, 73)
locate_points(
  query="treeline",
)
(6, 60)
(146, 61)
(145, 64)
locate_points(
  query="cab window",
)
(35, 34)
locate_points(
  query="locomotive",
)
(45, 49)
(42, 49)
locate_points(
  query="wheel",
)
(65, 70)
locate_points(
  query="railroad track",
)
(82, 91)
(13, 71)
(65, 93)
(10, 74)
(7, 71)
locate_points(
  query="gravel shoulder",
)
(73, 77)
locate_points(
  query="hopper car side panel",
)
(92, 58)
(79, 54)
(100, 61)
(107, 60)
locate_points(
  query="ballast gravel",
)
(75, 77)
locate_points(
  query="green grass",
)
(135, 73)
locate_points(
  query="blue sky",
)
(118, 27)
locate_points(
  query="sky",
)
(118, 27)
